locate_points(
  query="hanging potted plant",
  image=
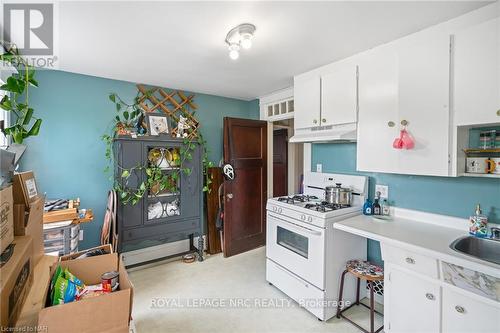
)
(24, 124)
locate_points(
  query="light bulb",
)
(234, 51)
(246, 41)
(234, 54)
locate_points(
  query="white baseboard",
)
(158, 251)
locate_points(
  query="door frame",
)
(295, 162)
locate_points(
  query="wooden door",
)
(307, 100)
(245, 148)
(280, 163)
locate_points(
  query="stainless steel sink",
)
(481, 248)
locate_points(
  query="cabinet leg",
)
(201, 246)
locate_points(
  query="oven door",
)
(298, 247)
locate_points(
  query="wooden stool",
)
(370, 273)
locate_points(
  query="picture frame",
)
(157, 124)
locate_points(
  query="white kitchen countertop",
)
(429, 239)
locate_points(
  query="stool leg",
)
(372, 307)
(357, 292)
(341, 291)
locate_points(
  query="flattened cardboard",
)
(29, 222)
(15, 280)
(25, 188)
(107, 248)
(6, 218)
(105, 313)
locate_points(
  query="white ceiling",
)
(181, 44)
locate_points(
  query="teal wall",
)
(440, 195)
(68, 155)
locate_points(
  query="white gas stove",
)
(305, 255)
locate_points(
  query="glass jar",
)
(487, 139)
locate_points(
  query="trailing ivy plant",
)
(25, 124)
(157, 181)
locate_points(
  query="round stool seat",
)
(365, 270)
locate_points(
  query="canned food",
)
(109, 281)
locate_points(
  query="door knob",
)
(229, 196)
(460, 309)
(429, 296)
(391, 124)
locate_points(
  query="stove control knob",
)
(275, 208)
(279, 210)
(310, 219)
(303, 217)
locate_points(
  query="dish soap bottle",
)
(386, 209)
(478, 224)
(376, 209)
(367, 207)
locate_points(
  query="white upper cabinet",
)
(307, 99)
(378, 111)
(476, 74)
(338, 95)
(424, 85)
(405, 82)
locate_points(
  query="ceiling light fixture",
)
(240, 37)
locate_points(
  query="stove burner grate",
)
(297, 198)
(324, 206)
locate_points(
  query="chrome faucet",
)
(495, 233)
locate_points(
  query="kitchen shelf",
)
(482, 175)
(163, 195)
(479, 150)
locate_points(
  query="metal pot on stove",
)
(338, 195)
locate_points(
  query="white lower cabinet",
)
(411, 304)
(463, 313)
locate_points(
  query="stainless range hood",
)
(332, 133)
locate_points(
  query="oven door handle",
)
(302, 229)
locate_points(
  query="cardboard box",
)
(15, 280)
(105, 313)
(6, 218)
(25, 188)
(74, 256)
(29, 222)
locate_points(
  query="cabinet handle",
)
(391, 124)
(498, 112)
(410, 260)
(315, 121)
(429, 296)
(404, 122)
(323, 120)
(460, 309)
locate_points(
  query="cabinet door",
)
(465, 314)
(411, 304)
(378, 111)
(476, 71)
(307, 98)
(339, 95)
(424, 84)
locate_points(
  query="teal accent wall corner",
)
(440, 195)
(68, 155)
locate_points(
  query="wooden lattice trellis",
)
(173, 104)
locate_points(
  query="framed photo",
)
(158, 124)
